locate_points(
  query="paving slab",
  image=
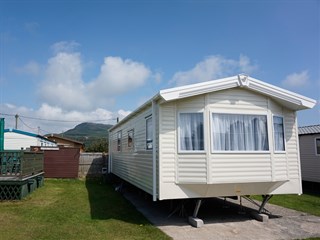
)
(224, 219)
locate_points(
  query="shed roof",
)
(313, 129)
(57, 136)
(286, 98)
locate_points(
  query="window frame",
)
(315, 145)
(179, 131)
(284, 134)
(149, 118)
(119, 141)
(213, 151)
(131, 131)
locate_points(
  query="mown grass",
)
(309, 203)
(74, 209)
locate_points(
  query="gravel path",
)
(224, 219)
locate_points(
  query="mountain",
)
(88, 130)
(93, 135)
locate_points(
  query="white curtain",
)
(278, 133)
(235, 132)
(191, 131)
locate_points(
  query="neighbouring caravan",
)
(230, 137)
(309, 139)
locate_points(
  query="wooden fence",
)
(91, 164)
(62, 163)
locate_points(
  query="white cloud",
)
(64, 46)
(296, 79)
(214, 67)
(68, 99)
(119, 76)
(122, 114)
(63, 85)
(61, 120)
(157, 77)
(31, 68)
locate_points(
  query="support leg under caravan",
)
(265, 199)
(194, 221)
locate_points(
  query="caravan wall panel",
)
(133, 164)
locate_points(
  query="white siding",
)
(133, 164)
(292, 145)
(16, 141)
(310, 161)
(167, 143)
(229, 168)
(280, 167)
(239, 100)
(192, 168)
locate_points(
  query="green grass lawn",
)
(309, 203)
(74, 209)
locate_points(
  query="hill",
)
(88, 130)
(93, 135)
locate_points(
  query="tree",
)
(97, 145)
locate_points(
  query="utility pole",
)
(16, 116)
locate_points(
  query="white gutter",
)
(155, 97)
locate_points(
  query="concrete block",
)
(260, 216)
(195, 222)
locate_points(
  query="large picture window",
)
(278, 130)
(149, 134)
(239, 132)
(191, 131)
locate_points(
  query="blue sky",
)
(77, 61)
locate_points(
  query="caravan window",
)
(149, 133)
(278, 130)
(191, 137)
(239, 132)
(130, 138)
(317, 146)
(119, 135)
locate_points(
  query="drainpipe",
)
(109, 152)
(1, 134)
(154, 152)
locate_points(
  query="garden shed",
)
(229, 137)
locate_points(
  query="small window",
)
(119, 135)
(318, 146)
(149, 134)
(239, 132)
(130, 138)
(191, 132)
(278, 130)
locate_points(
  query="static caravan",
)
(309, 138)
(15, 139)
(229, 137)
